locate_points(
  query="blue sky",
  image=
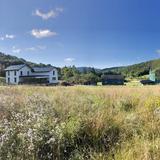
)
(99, 33)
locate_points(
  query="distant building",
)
(17, 74)
(112, 79)
(147, 82)
(154, 75)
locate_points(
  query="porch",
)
(34, 79)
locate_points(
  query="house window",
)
(15, 80)
(53, 78)
(8, 73)
(15, 73)
(28, 73)
(53, 72)
(8, 80)
(21, 73)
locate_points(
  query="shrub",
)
(79, 123)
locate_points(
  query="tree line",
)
(74, 76)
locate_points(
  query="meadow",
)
(79, 123)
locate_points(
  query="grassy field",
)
(79, 123)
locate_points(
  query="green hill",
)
(7, 60)
(135, 70)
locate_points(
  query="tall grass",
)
(79, 123)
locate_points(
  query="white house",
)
(23, 73)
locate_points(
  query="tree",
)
(72, 75)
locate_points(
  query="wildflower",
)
(51, 140)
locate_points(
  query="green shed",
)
(154, 75)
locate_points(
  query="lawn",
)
(80, 123)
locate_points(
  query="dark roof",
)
(35, 69)
(42, 69)
(113, 77)
(15, 67)
(147, 81)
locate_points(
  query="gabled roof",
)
(34, 69)
(42, 69)
(15, 67)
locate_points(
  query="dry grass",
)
(79, 123)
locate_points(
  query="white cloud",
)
(50, 14)
(16, 50)
(38, 33)
(41, 47)
(31, 49)
(2, 38)
(59, 9)
(69, 60)
(36, 48)
(10, 36)
(7, 36)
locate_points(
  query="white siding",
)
(12, 77)
(49, 74)
(24, 71)
(53, 78)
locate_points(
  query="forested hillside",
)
(7, 60)
(135, 70)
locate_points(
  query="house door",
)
(8, 80)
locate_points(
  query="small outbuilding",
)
(154, 75)
(112, 79)
(147, 82)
